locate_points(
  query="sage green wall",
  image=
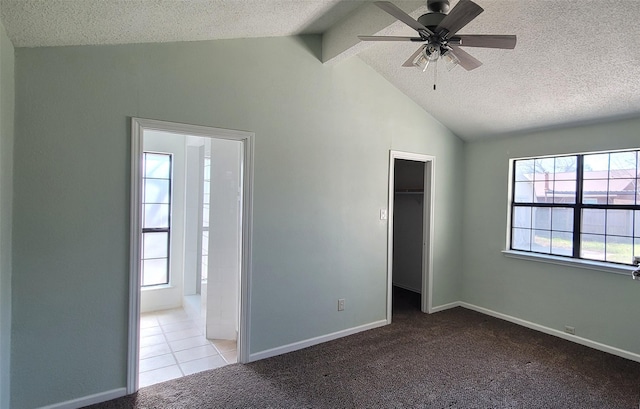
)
(6, 196)
(603, 307)
(323, 135)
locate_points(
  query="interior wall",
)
(448, 170)
(7, 98)
(603, 307)
(225, 227)
(323, 135)
(156, 298)
(193, 215)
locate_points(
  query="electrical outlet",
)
(341, 304)
(570, 330)
(383, 214)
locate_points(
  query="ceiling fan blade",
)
(396, 12)
(488, 41)
(390, 38)
(459, 16)
(409, 62)
(466, 60)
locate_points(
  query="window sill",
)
(563, 261)
(157, 287)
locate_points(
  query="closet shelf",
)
(409, 191)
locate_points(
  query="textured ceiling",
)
(576, 61)
(36, 23)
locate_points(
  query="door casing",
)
(138, 126)
(427, 228)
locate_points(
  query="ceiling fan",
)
(438, 31)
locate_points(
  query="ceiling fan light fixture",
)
(421, 62)
(427, 55)
(450, 60)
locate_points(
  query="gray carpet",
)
(452, 359)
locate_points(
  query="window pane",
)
(157, 166)
(562, 243)
(543, 191)
(542, 218)
(620, 249)
(156, 191)
(205, 243)
(636, 228)
(205, 216)
(541, 241)
(593, 221)
(595, 191)
(521, 217)
(622, 191)
(156, 216)
(562, 219)
(564, 190)
(205, 256)
(622, 165)
(636, 247)
(155, 245)
(524, 192)
(566, 167)
(596, 166)
(207, 168)
(154, 271)
(524, 170)
(592, 247)
(620, 222)
(544, 168)
(521, 239)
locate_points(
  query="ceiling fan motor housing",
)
(431, 20)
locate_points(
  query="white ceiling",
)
(576, 61)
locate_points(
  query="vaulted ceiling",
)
(576, 61)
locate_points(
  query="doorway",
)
(410, 230)
(190, 249)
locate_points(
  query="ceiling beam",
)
(341, 40)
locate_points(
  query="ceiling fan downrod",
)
(438, 6)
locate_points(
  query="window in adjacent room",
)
(156, 218)
(206, 204)
(584, 206)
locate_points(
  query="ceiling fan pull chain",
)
(435, 73)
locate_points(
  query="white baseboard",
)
(313, 341)
(551, 331)
(444, 307)
(88, 400)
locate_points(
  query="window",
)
(206, 188)
(584, 206)
(156, 218)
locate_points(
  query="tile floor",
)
(172, 345)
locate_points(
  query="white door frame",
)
(138, 126)
(427, 228)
